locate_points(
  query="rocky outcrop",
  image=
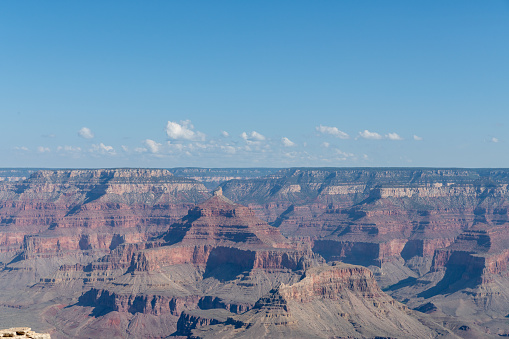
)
(23, 332)
(220, 232)
(190, 320)
(330, 282)
(476, 258)
(340, 301)
(146, 304)
(210, 302)
(219, 220)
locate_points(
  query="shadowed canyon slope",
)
(145, 253)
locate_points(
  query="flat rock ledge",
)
(22, 332)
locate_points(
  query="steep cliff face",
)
(220, 232)
(469, 278)
(94, 198)
(147, 304)
(189, 320)
(53, 212)
(374, 216)
(340, 300)
(219, 220)
(478, 255)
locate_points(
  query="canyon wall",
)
(139, 246)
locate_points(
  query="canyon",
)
(300, 252)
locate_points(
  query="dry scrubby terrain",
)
(315, 253)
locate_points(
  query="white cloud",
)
(334, 131)
(21, 148)
(325, 144)
(153, 146)
(495, 140)
(252, 137)
(102, 149)
(200, 145)
(257, 136)
(42, 149)
(183, 131)
(417, 138)
(175, 147)
(67, 148)
(86, 133)
(344, 154)
(229, 149)
(225, 134)
(291, 155)
(140, 150)
(394, 136)
(370, 135)
(287, 142)
(125, 148)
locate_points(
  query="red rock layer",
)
(331, 283)
(53, 212)
(372, 216)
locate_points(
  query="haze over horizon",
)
(229, 84)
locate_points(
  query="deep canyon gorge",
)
(245, 253)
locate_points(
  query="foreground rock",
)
(23, 332)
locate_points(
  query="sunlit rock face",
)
(23, 332)
(341, 299)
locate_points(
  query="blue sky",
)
(260, 83)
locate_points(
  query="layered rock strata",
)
(54, 212)
(329, 301)
(219, 256)
(123, 248)
(377, 216)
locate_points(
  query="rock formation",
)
(107, 252)
(75, 212)
(218, 256)
(23, 332)
(329, 301)
(427, 234)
